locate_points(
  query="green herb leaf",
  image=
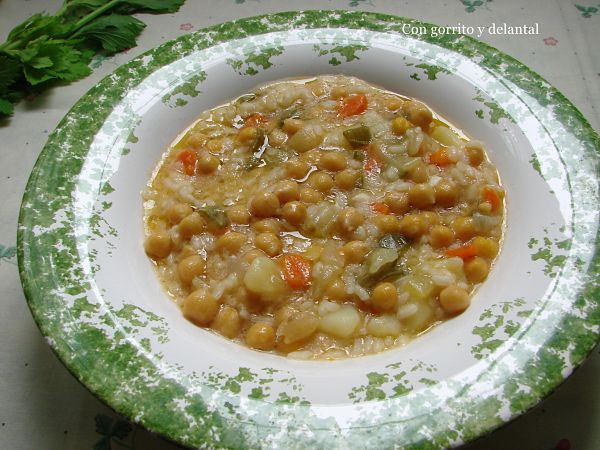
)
(6, 107)
(54, 59)
(38, 25)
(216, 215)
(60, 47)
(114, 32)
(359, 136)
(10, 71)
(152, 6)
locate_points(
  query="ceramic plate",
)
(96, 298)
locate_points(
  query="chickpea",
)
(441, 236)
(454, 299)
(215, 145)
(286, 190)
(312, 157)
(186, 251)
(294, 212)
(191, 225)
(476, 269)
(413, 226)
(196, 139)
(227, 322)
(430, 217)
(318, 88)
(346, 179)
(267, 225)
(397, 202)
(251, 255)
(464, 228)
(178, 212)
(261, 336)
(418, 172)
(338, 92)
(333, 161)
(384, 296)
(200, 307)
(238, 214)
(336, 290)
(269, 243)
(417, 113)
(296, 168)
(189, 268)
(446, 194)
(291, 126)
(306, 138)
(277, 138)
(486, 247)
(349, 219)
(207, 163)
(421, 196)
(393, 103)
(321, 181)
(264, 204)
(475, 155)
(158, 245)
(310, 195)
(247, 135)
(400, 125)
(355, 252)
(231, 241)
(387, 223)
(485, 208)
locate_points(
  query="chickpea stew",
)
(323, 218)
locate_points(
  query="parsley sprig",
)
(46, 49)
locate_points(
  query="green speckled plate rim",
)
(41, 265)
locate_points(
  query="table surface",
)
(43, 406)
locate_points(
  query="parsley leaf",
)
(6, 107)
(9, 72)
(114, 33)
(151, 6)
(60, 47)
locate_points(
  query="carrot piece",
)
(371, 163)
(440, 157)
(296, 271)
(352, 105)
(255, 120)
(188, 158)
(465, 252)
(380, 207)
(491, 195)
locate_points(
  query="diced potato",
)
(263, 277)
(445, 136)
(421, 319)
(298, 327)
(341, 323)
(419, 287)
(386, 325)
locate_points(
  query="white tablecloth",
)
(43, 407)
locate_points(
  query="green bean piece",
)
(359, 136)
